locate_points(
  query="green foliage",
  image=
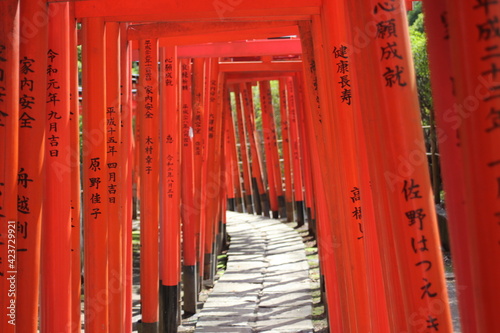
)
(418, 40)
(413, 14)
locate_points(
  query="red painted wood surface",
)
(212, 157)
(9, 129)
(477, 104)
(114, 191)
(56, 306)
(189, 230)
(321, 123)
(198, 115)
(450, 157)
(170, 225)
(242, 135)
(271, 145)
(306, 153)
(72, 158)
(233, 167)
(243, 48)
(293, 104)
(127, 158)
(286, 145)
(32, 141)
(259, 191)
(95, 177)
(326, 246)
(149, 120)
(372, 312)
(401, 177)
(188, 33)
(199, 10)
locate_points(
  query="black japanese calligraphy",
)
(411, 190)
(393, 76)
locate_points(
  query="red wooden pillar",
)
(322, 124)
(220, 201)
(270, 136)
(211, 186)
(229, 164)
(325, 239)
(116, 215)
(377, 291)
(340, 55)
(450, 156)
(198, 115)
(224, 176)
(264, 197)
(259, 192)
(73, 158)
(472, 28)
(56, 232)
(399, 175)
(95, 177)
(286, 145)
(149, 118)
(365, 247)
(170, 223)
(269, 129)
(189, 244)
(9, 115)
(233, 168)
(32, 141)
(127, 158)
(307, 167)
(247, 185)
(297, 159)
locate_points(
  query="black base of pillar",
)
(225, 238)
(323, 290)
(266, 207)
(200, 279)
(190, 288)
(169, 309)
(282, 205)
(289, 211)
(147, 327)
(208, 274)
(231, 204)
(311, 222)
(276, 214)
(249, 204)
(239, 204)
(134, 208)
(256, 199)
(218, 240)
(300, 213)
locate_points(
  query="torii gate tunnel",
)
(198, 133)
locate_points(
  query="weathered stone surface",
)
(266, 285)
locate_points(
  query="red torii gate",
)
(388, 278)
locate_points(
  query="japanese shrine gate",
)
(350, 160)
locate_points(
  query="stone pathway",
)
(266, 286)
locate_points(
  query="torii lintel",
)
(201, 10)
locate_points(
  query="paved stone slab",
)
(304, 311)
(291, 287)
(285, 299)
(284, 325)
(239, 288)
(217, 329)
(266, 286)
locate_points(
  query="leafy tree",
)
(413, 14)
(418, 39)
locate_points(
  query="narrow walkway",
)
(266, 285)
